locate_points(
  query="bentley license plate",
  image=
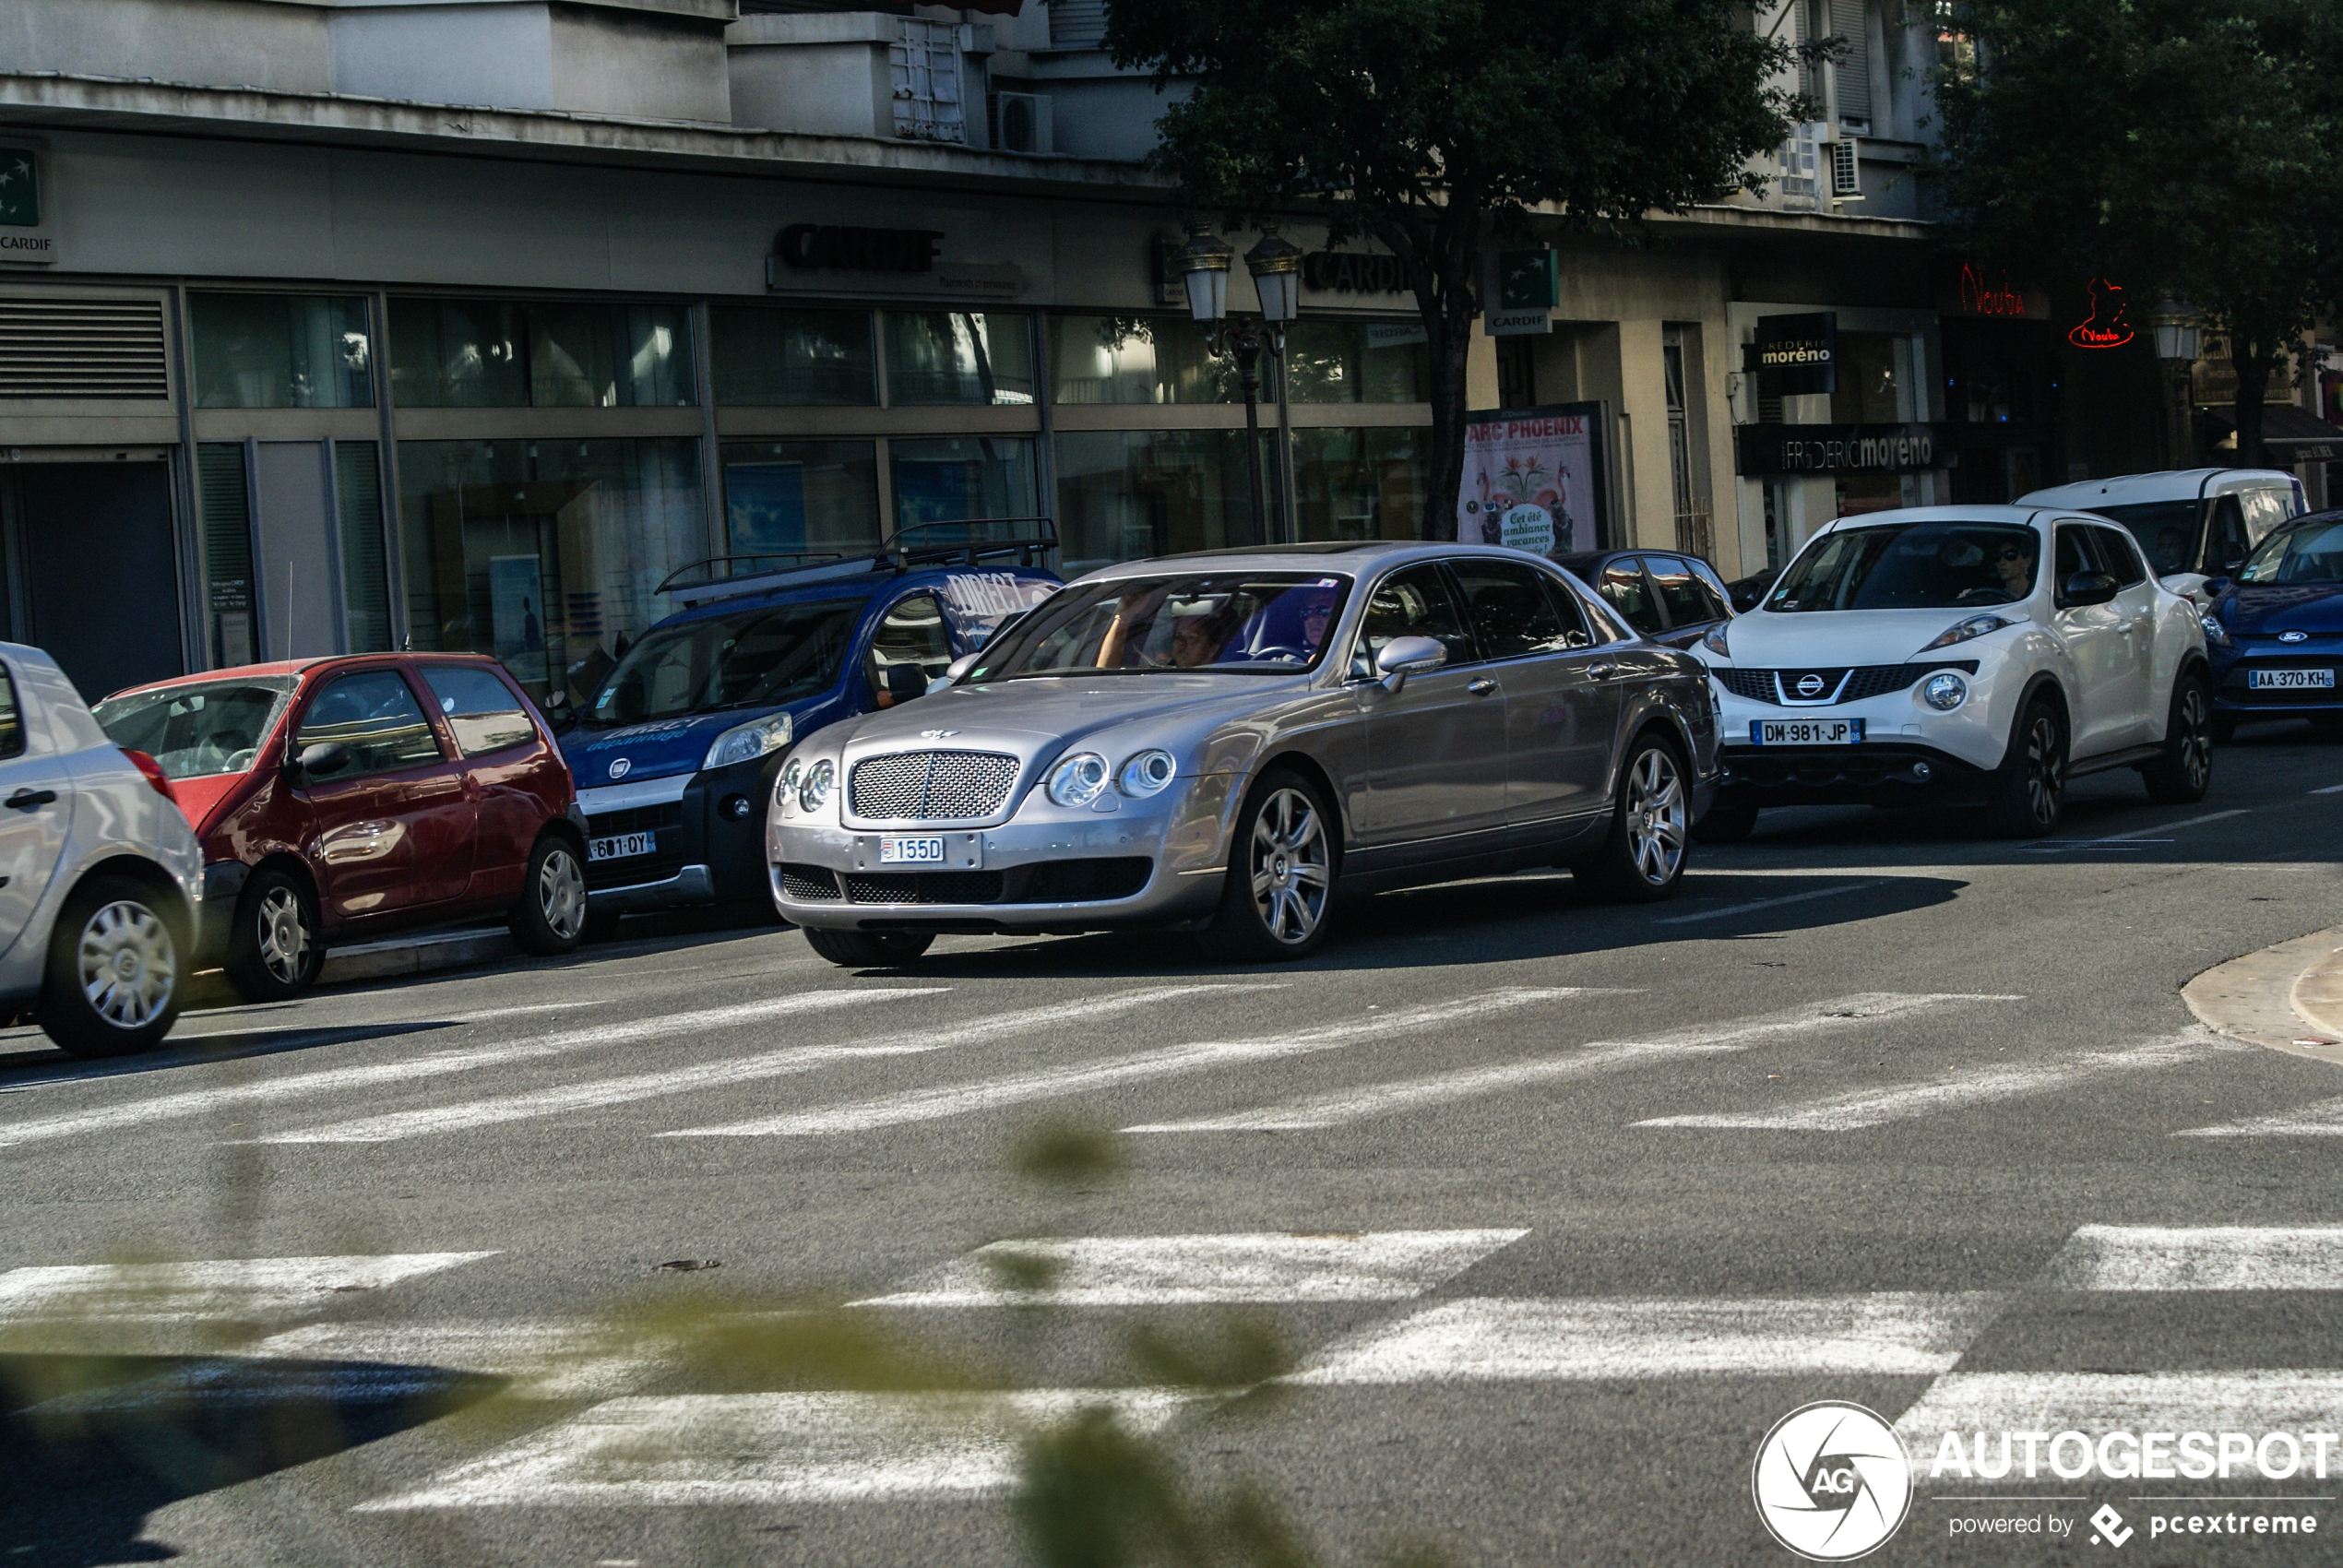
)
(619, 845)
(1805, 732)
(2289, 680)
(902, 849)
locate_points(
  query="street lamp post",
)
(2179, 336)
(1276, 265)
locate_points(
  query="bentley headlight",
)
(1149, 773)
(1079, 780)
(1944, 693)
(1715, 641)
(814, 793)
(746, 743)
(1975, 626)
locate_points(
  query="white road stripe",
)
(2220, 1257)
(2324, 1120)
(1341, 1106)
(598, 1093)
(2151, 832)
(219, 1289)
(1131, 1271)
(960, 1100)
(1884, 1334)
(334, 1080)
(2330, 790)
(1960, 1089)
(2258, 1400)
(541, 1360)
(774, 1448)
(1831, 891)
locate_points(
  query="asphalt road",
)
(1550, 1209)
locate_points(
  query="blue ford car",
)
(675, 753)
(2276, 631)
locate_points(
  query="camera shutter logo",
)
(620, 767)
(1832, 1482)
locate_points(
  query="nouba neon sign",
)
(1979, 299)
(2109, 326)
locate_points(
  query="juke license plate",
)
(2289, 680)
(903, 850)
(1805, 732)
(618, 845)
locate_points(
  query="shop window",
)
(1126, 494)
(457, 354)
(545, 553)
(964, 477)
(766, 358)
(1137, 359)
(1360, 483)
(365, 586)
(959, 357)
(497, 354)
(281, 351)
(1356, 361)
(1867, 383)
(786, 497)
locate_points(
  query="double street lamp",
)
(1276, 265)
(2180, 338)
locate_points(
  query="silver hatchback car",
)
(1220, 743)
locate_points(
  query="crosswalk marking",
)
(219, 1289)
(960, 1100)
(541, 1361)
(2254, 1400)
(2322, 1120)
(1959, 1089)
(1122, 1271)
(596, 1093)
(1505, 1339)
(2226, 1257)
(771, 1448)
(334, 1080)
(1343, 1106)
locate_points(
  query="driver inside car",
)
(2012, 563)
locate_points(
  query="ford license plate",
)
(2289, 680)
(904, 850)
(619, 845)
(1805, 732)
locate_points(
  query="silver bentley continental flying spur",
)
(1225, 743)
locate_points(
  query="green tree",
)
(2175, 146)
(1432, 126)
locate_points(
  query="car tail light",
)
(155, 775)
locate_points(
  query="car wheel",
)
(2030, 785)
(2185, 771)
(551, 917)
(1643, 855)
(1281, 886)
(869, 949)
(275, 949)
(113, 981)
(1725, 825)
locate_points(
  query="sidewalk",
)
(2288, 998)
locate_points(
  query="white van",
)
(2192, 524)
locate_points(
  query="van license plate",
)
(619, 845)
(896, 850)
(2289, 680)
(1805, 732)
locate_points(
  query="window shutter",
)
(60, 349)
(1076, 24)
(1848, 21)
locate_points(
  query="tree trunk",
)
(2253, 363)
(1441, 252)
(1451, 345)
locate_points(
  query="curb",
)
(394, 957)
(2281, 998)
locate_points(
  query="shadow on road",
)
(37, 1063)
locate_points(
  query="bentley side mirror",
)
(2088, 589)
(1403, 657)
(324, 758)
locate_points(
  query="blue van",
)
(675, 753)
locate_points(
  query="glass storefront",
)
(281, 351)
(954, 356)
(1128, 493)
(498, 355)
(1360, 483)
(787, 497)
(958, 478)
(782, 358)
(1135, 358)
(545, 553)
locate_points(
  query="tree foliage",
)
(2175, 146)
(1429, 124)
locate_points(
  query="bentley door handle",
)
(29, 800)
(1601, 672)
(1481, 687)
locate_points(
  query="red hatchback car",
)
(338, 799)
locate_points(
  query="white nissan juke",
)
(1963, 657)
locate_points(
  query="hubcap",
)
(284, 936)
(128, 968)
(1655, 816)
(561, 894)
(1292, 869)
(2045, 770)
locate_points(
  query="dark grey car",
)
(1220, 742)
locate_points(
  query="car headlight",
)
(2214, 632)
(1944, 692)
(1149, 773)
(1975, 626)
(746, 743)
(814, 791)
(1715, 641)
(1079, 780)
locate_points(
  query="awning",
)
(2294, 434)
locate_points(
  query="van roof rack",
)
(1031, 540)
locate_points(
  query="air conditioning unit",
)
(1845, 175)
(1025, 123)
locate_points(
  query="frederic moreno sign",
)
(1763, 449)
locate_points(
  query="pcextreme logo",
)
(1831, 1481)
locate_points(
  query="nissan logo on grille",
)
(1809, 685)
